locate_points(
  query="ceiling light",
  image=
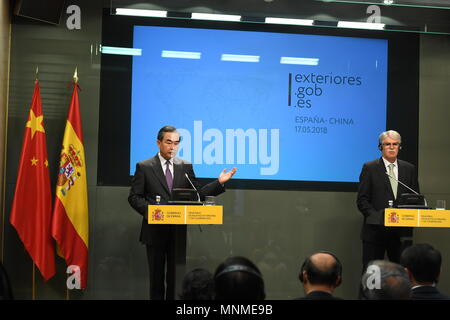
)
(121, 51)
(301, 22)
(213, 16)
(141, 12)
(361, 25)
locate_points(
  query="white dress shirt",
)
(163, 164)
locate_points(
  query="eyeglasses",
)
(394, 144)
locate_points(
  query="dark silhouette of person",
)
(198, 284)
(320, 274)
(238, 278)
(423, 265)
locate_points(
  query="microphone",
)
(198, 194)
(402, 183)
(415, 192)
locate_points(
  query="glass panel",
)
(418, 16)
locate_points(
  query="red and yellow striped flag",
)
(70, 225)
(32, 205)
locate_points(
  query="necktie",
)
(169, 177)
(394, 183)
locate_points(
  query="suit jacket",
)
(319, 295)
(374, 193)
(149, 181)
(427, 293)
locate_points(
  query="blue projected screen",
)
(276, 106)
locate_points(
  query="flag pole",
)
(33, 275)
(75, 80)
(33, 286)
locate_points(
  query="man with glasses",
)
(378, 189)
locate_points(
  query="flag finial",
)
(75, 75)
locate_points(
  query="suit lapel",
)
(156, 165)
(401, 176)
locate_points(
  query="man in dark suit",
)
(423, 265)
(157, 177)
(377, 187)
(320, 274)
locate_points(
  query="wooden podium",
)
(394, 217)
(185, 214)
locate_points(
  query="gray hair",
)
(391, 134)
(390, 282)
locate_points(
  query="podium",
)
(179, 216)
(395, 217)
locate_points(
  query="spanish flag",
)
(70, 224)
(32, 204)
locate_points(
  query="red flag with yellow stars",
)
(32, 204)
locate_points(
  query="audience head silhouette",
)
(385, 280)
(423, 263)
(321, 268)
(237, 278)
(321, 274)
(198, 284)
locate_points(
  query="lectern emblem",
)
(393, 217)
(158, 215)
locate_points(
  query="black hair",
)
(423, 261)
(237, 278)
(164, 130)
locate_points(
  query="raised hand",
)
(225, 176)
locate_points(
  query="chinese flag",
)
(32, 204)
(70, 225)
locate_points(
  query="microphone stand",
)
(198, 195)
(402, 183)
(387, 173)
